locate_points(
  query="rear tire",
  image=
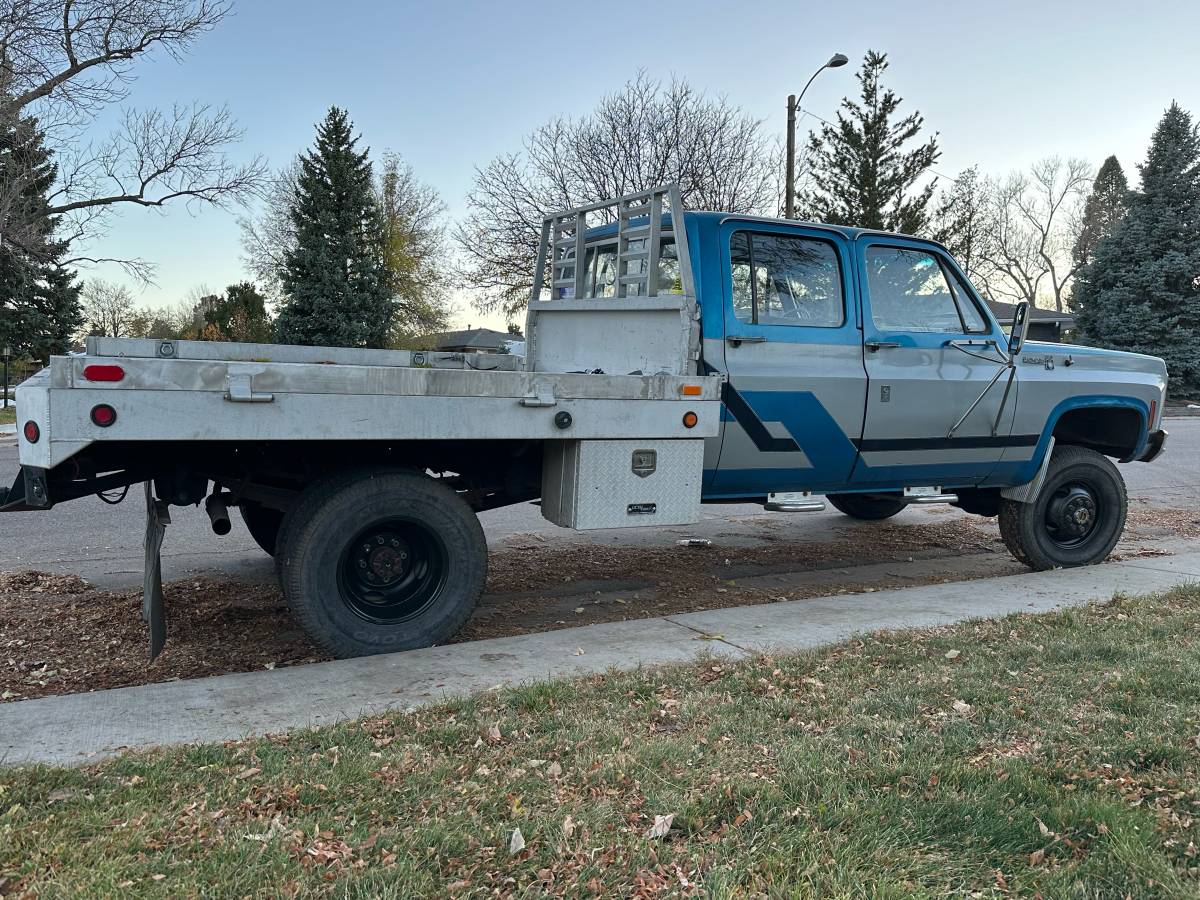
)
(861, 506)
(1077, 517)
(377, 561)
(263, 523)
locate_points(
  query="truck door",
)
(793, 354)
(931, 351)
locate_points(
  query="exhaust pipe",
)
(218, 512)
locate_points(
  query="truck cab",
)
(865, 366)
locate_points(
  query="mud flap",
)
(154, 613)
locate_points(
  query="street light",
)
(7, 354)
(836, 61)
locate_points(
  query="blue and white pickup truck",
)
(733, 359)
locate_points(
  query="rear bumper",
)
(1154, 446)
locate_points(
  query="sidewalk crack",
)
(719, 638)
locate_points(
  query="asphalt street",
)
(103, 543)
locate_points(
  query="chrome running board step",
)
(793, 501)
(928, 495)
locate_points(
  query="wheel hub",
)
(382, 560)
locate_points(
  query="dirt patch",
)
(73, 638)
(59, 635)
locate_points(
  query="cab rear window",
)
(786, 280)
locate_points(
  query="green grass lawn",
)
(1057, 754)
(8, 416)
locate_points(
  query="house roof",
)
(1004, 313)
(474, 338)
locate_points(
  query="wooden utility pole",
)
(789, 203)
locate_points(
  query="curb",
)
(82, 728)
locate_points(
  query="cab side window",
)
(786, 280)
(910, 291)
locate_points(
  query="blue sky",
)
(450, 85)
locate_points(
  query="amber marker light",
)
(690, 419)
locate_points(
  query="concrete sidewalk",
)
(84, 727)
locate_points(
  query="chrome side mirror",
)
(1016, 334)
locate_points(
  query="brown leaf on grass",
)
(493, 735)
(1036, 857)
(247, 773)
(962, 707)
(742, 818)
(568, 827)
(554, 770)
(953, 654)
(662, 824)
(516, 843)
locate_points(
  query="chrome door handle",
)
(746, 339)
(881, 345)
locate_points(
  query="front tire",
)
(1077, 517)
(868, 508)
(379, 561)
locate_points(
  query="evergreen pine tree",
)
(1104, 209)
(1141, 290)
(960, 221)
(334, 283)
(40, 297)
(860, 170)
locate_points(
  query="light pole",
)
(789, 204)
(7, 354)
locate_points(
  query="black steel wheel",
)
(392, 570)
(869, 507)
(376, 561)
(1077, 517)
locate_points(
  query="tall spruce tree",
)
(334, 280)
(1141, 290)
(1104, 208)
(961, 220)
(862, 170)
(39, 296)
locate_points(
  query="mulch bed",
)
(59, 635)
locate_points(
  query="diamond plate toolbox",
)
(621, 484)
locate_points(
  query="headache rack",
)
(638, 325)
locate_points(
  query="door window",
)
(786, 280)
(910, 292)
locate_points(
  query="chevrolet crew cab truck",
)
(673, 358)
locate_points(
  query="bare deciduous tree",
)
(108, 309)
(65, 61)
(645, 135)
(269, 236)
(1034, 220)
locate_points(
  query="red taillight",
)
(32, 433)
(103, 415)
(103, 373)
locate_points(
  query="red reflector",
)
(103, 373)
(103, 415)
(32, 433)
